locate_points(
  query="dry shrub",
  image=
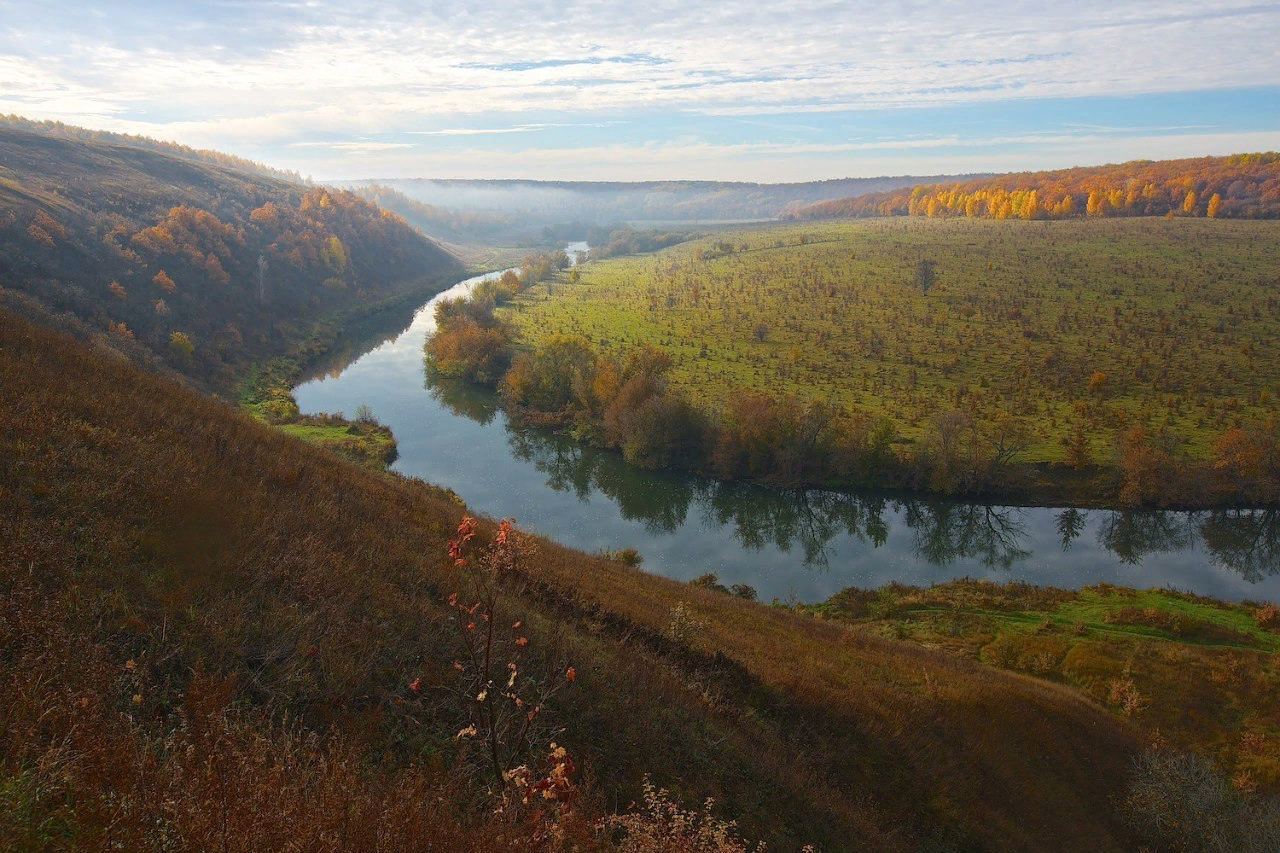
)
(1035, 653)
(683, 626)
(1126, 694)
(1179, 625)
(1091, 664)
(1267, 618)
(1178, 802)
(661, 826)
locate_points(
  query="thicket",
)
(48, 127)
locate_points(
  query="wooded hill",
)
(1245, 186)
(183, 261)
(513, 207)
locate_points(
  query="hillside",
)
(190, 264)
(1243, 186)
(1098, 362)
(510, 207)
(195, 604)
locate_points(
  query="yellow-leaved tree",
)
(1094, 206)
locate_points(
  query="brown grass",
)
(147, 524)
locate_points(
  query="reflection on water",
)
(809, 520)
(1245, 541)
(806, 543)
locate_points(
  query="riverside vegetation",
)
(1083, 361)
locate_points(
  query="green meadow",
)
(1079, 328)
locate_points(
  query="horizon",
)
(822, 91)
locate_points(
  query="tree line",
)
(1243, 186)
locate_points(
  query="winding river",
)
(791, 545)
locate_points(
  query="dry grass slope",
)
(179, 582)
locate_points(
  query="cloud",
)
(353, 146)
(802, 162)
(265, 74)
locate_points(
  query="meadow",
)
(1059, 336)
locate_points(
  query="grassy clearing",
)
(1056, 326)
(371, 445)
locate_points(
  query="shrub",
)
(683, 626)
(1178, 802)
(661, 826)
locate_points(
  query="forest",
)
(1113, 362)
(190, 263)
(1245, 186)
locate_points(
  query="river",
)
(791, 545)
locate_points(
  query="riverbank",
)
(788, 543)
(622, 398)
(265, 390)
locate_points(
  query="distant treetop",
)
(1242, 186)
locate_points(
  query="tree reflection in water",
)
(811, 518)
(1244, 541)
(945, 532)
(1070, 523)
(461, 399)
(1134, 534)
(658, 501)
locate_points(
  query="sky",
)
(662, 89)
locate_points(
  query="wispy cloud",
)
(353, 146)
(261, 77)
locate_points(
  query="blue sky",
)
(665, 89)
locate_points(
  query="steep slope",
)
(157, 543)
(190, 263)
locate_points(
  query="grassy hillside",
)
(1122, 352)
(188, 262)
(194, 605)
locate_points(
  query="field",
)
(1074, 329)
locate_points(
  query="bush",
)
(1178, 802)
(661, 826)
